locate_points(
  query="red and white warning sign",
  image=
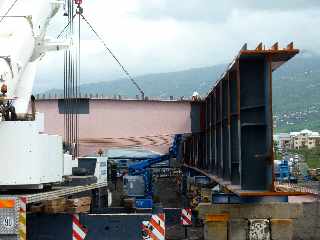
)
(155, 228)
(186, 216)
(78, 231)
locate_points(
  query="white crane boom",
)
(22, 43)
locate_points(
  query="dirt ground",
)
(170, 197)
(167, 190)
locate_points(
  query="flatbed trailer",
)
(14, 207)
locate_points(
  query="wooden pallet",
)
(78, 205)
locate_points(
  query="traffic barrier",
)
(78, 231)
(23, 219)
(186, 216)
(155, 228)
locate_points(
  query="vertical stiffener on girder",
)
(235, 142)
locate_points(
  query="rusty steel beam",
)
(235, 144)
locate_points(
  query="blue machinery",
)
(283, 173)
(139, 174)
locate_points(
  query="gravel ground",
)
(168, 192)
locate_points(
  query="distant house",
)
(297, 140)
(284, 140)
(304, 139)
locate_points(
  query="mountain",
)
(182, 83)
(296, 88)
(296, 98)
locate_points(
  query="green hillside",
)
(296, 99)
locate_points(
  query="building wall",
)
(115, 123)
(284, 142)
(303, 140)
(297, 140)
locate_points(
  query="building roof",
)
(306, 131)
(294, 134)
(315, 135)
(284, 135)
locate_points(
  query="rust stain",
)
(217, 217)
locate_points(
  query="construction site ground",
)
(167, 191)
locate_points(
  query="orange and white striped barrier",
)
(78, 230)
(155, 228)
(186, 216)
(23, 218)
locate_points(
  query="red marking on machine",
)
(155, 228)
(7, 203)
(186, 216)
(78, 230)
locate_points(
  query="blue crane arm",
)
(140, 167)
(137, 168)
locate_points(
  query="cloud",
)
(150, 36)
(213, 11)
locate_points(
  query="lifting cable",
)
(115, 58)
(8, 11)
(72, 76)
(108, 50)
(65, 28)
(71, 84)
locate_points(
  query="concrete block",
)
(317, 232)
(281, 229)
(238, 229)
(307, 226)
(271, 210)
(259, 229)
(296, 210)
(311, 209)
(233, 210)
(261, 210)
(216, 230)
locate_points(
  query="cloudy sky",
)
(151, 36)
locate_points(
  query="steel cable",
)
(65, 28)
(126, 72)
(8, 11)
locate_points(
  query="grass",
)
(312, 156)
(278, 155)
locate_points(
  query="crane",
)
(23, 43)
(29, 158)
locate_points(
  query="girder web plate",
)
(235, 142)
